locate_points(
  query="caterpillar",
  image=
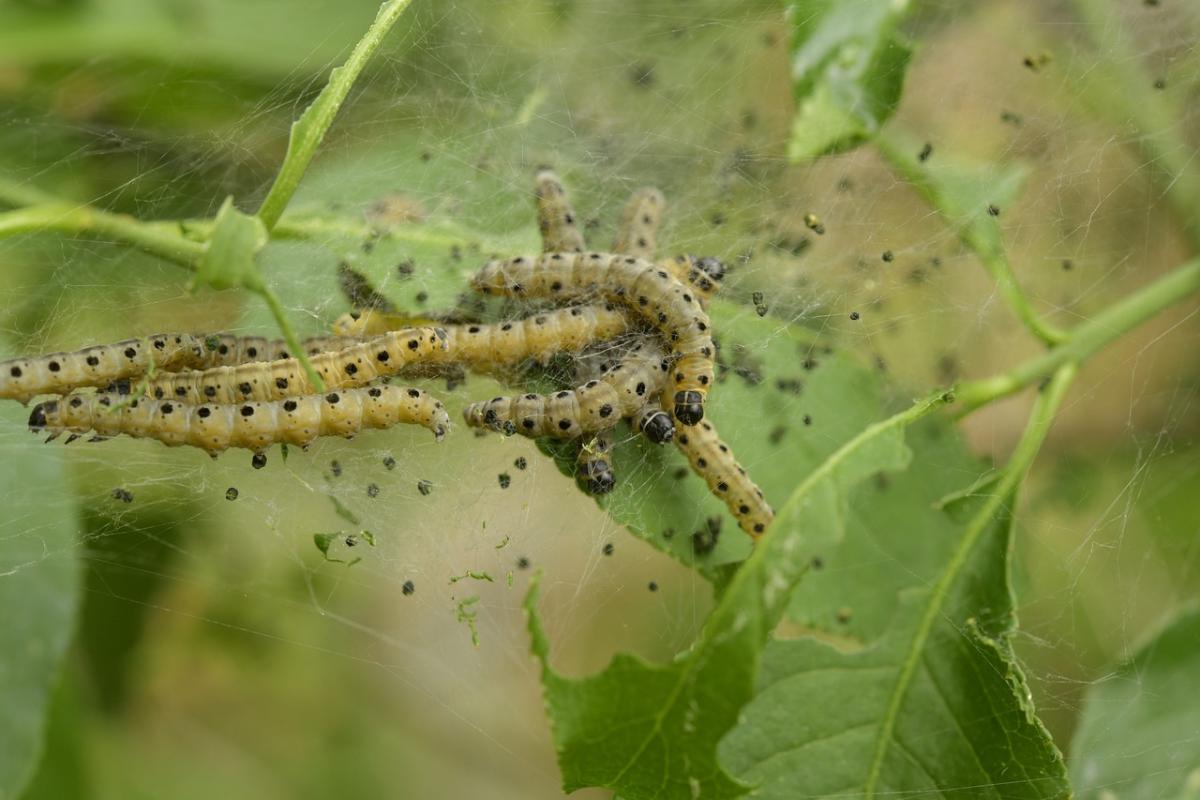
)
(215, 427)
(356, 365)
(556, 219)
(593, 464)
(637, 231)
(624, 391)
(99, 365)
(711, 459)
(647, 289)
(227, 349)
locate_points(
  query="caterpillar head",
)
(37, 417)
(712, 267)
(597, 477)
(689, 407)
(658, 427)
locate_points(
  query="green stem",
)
(310, 129)
(16, 194)
(1123, 91)
(289, 335)
(83, 220)
(993, 258)
(1011, 477)
(1088, 337)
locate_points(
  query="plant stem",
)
(992, 256)
(1088, 337)
(84, 220)
(310, 129)
(16, 194)
(289, 335)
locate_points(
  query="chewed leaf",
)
(40, 577)
(1137, 737)
(935, 706)
(647, 730)
(848, 66)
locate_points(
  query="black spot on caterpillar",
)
(100, 365)
(556, 219)
(712, 460)
(647, 289)
(624, 391)
(356, 365)
(637, 231)
(215, 427)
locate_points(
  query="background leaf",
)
(848, 65)
(1138, 736)
(937, 705)
(39, 588)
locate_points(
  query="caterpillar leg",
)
(712, 460)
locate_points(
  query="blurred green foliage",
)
(217, 652)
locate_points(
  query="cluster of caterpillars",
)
(637, 329)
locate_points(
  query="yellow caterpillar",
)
(637, 231)
(498, 346)
(100, 365)
(624, 391)
(557, 222)
(356, 365)
(712, 460)
(593, 464)
(215, 427)
(227, 349)
(649, 290)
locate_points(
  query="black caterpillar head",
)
(712, 267)
(658, 427)
(689, 407)
(598, 477)
(37, 417)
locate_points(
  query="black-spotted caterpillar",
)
(712, 460)
(215, 427)
(627, 390)
(352, 366)
(106, 364)
(648, 289)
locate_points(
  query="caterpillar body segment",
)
(227, 349)
(621, 392)
(649, 290)
(255, 425)
(556, 218)
(712, 460)
(498, 346)
(374, 322)
(100, 365)
(637, 231)
(352, 366)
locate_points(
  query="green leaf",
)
(848, 66)
(228, 262)
(938, 706)
(647, 730)
(1137, 736)
(39, 585)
